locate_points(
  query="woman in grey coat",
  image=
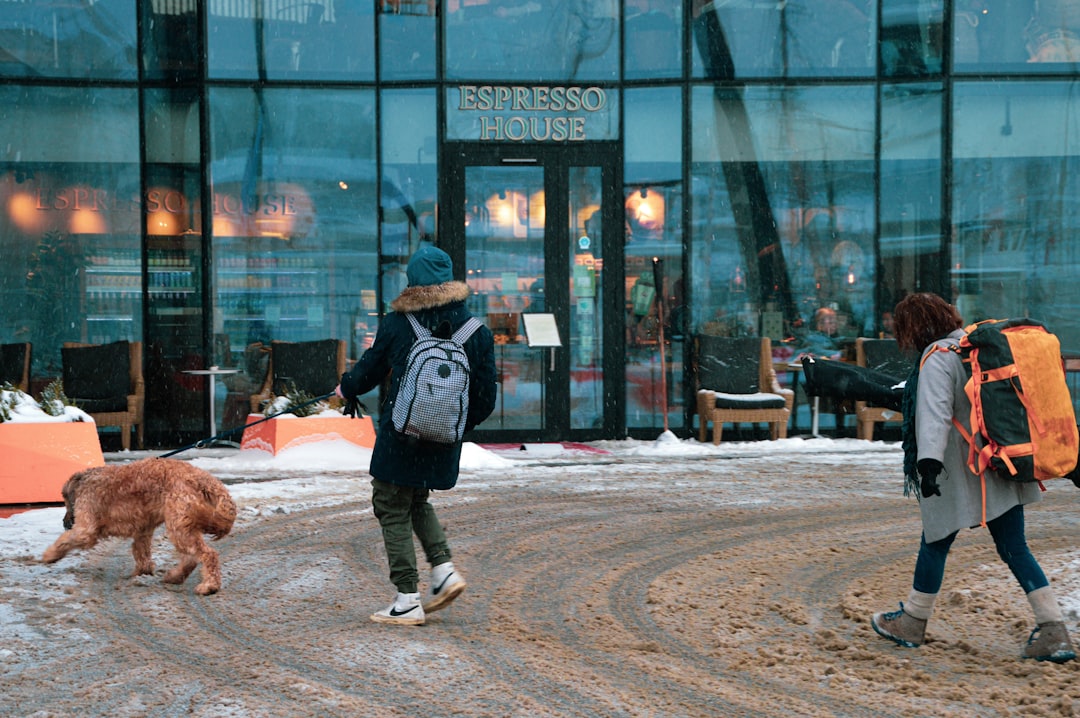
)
(934, 449)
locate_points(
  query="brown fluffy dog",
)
(132, 500)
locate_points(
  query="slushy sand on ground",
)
(717, 587)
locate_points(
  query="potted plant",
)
(43, 443)
(307, 423)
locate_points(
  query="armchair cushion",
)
(757, 400)
(98, 378)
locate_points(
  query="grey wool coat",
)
(397, 459)
(940, 397)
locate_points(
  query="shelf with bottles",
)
(255, 269)
(251, 308)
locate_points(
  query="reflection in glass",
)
(407, 40)
(1014, 252)
(911, 37)
(910, 250)
(409, 192)
(586, 307)
(1021, 36)
(68, 39)
(174, 227)
(534, 40)
(798, 38)
(294, 200)
(172, 41)
(282, 39)
(505, 222)
(653, 44)
(653, 199)
(783, 213)
(71, 219)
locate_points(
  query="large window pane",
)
(68, 39)
(783, 216)
(911, 250)
(409, 201)
(409, 185)
(653, 46)
(539, 41)
(407, 40)
(798, 38)
(1015, 170)
(174, 272)
(282, 39)
(911, 37)
(69, 183)
(1018, 36)
(653, 195)
(295, 207)
(172, 40)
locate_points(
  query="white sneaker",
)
(446, 585)
(406, 610)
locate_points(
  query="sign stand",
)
(542, 331)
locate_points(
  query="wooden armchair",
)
(884, 357)
(15, 365)
(736, 383)
(106, 381)
(314, 367)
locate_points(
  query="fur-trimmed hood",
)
(430, 296)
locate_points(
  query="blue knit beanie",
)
(429, 265)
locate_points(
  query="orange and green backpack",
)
(1022, 421)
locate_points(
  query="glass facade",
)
(208, 177)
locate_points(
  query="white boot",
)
(446, 585)
(404, 611)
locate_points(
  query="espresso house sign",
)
(518, 113)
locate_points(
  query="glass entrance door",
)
(530, 232)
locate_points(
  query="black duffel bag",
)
(840, 380)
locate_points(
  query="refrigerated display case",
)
(265, 297)
(112, 295)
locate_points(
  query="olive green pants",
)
(403, 511)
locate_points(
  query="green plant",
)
(299, 399)
(7, 401)
(53, 399)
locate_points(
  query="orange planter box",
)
(40, 457)
(276, 435)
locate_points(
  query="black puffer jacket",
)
(396, 458)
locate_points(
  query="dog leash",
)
(353, 408)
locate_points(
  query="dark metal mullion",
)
(557, 265)
(946, 180)
(140, 94)
(614, 287)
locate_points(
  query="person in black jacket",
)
(404, 470)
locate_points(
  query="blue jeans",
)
(1008, 533)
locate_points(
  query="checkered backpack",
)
(433, 398)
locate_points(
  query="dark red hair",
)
(921, 319)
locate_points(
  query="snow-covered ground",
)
(334, 472)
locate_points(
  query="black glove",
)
(353, 407)
(929, 469)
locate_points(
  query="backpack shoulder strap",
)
(421, 331)
(938, 348)
(467, 329)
